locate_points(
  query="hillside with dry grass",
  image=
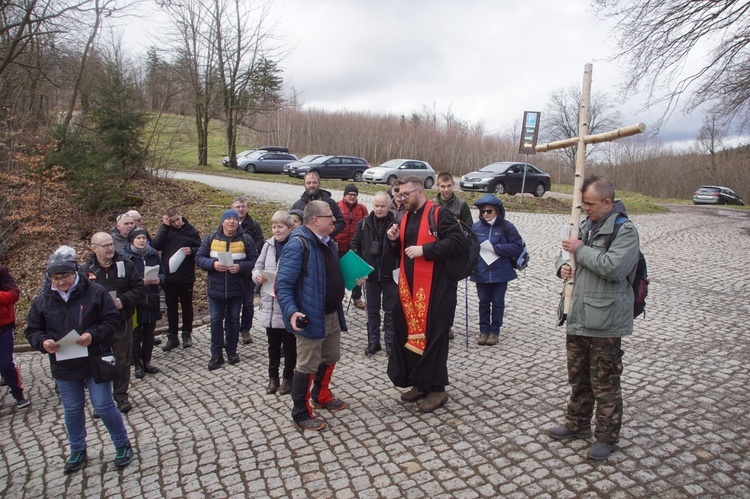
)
(44, 217)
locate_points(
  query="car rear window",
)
(708, 190)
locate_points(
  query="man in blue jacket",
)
(310, 287)
(227, 283)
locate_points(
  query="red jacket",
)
(352, 216)
(8, 296)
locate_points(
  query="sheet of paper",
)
(395, 273)
(69, 349)
(175, 261)
(267, 286)
(113, 294)
(151, 272)
(565, 234)
(225, 258)
(485, 251)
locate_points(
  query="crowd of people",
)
(110, 304)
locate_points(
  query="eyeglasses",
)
(486, 212)
(137, 220)
(60, 277)
(403, 194)
(325, 216)
(108, 245)
(352, 194)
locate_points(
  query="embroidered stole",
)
(416, 302)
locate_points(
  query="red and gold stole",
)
(416, 303)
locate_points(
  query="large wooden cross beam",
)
(581, 141)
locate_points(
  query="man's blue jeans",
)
(73, 399)
(225, 318)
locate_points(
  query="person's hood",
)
(117, 236)
(148, 251)
(492, 201)
(617, 209)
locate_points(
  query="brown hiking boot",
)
(413, 395)
(434, 400)
(286, 387)
(359, 304)
(491, 339)
(482, 340)
(314, 424)
(273, 386)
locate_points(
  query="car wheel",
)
(391, 179)
(250, 168)
(358, 176)
(428, 183)
(500, 189)
(539, 191)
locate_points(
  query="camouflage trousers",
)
(594, 370)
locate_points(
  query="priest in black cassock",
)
(427, 298)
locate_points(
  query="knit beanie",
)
(138, 231)
(59, 263)
(230, 213)
(350, 188)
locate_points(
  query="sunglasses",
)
(486, 212)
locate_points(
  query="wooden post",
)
(581, 141)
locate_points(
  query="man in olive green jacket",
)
(600, 314)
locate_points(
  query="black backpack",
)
(463, 264)
(640, 281)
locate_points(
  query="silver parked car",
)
(401, 168)
(716, 194)
(262, 161)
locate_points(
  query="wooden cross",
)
(581, 141)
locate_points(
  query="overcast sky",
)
(486, 61)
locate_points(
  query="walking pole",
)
(466, 309)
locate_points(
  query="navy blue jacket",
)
(225, 285)
(505, 240)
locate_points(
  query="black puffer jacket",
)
(369, 230)
(169, 241)
(129, 288)
(149, 309)
(89, 309)
(323, 195)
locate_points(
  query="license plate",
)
(468, 184)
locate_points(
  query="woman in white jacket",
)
(270, 313)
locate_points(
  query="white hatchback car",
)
(400, 169)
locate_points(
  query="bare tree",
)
(663, 39)
(710, 140)
(561, 119)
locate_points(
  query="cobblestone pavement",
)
(686, 430)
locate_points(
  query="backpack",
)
(522, 261)
(640, 281)
(463, 264)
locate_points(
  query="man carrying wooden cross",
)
(599, 315)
